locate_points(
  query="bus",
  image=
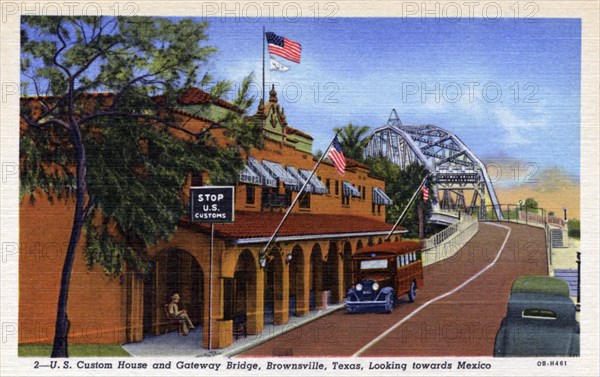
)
(383, 274)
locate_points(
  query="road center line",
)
(399, 323)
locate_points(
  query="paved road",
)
(457, 312)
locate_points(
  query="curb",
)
(237, 350)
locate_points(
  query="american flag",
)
(284, 47)
(425, 190)
(336, 154)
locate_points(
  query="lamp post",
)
(565, 212)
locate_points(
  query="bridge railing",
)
(449, 241)
(523, 215)
(537, 217)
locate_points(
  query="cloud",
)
(519, 130)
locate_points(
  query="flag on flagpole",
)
(425, 190)
(336, 154)
(277, 66)
(284, 47)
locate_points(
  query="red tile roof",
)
(350, 163)
(263, 224)
(195, 96)
(293, 131)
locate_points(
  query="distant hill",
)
(553, 189)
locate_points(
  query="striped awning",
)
(319, 187)
(294, 172)
(249, 176)
(379, 197)
(280, 173)
(267, 179)
(349, 190)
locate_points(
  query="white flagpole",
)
(406, 208)
(263, 253)
(263, 67)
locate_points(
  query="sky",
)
(510, 89)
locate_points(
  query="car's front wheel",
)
(389, 302)
(412, 292)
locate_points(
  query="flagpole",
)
(406, 208)
(264, 250)
(263, 66)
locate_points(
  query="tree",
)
(574, 226)
(112, 152)
(400, 185)
(531, 203)
(353, 140)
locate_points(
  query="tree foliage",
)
(400, 185)
(531, 203)
(136, 158)
(124, 155)
(574, 226)
(353, 140)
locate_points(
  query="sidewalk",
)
(566, 257)
(173, 344)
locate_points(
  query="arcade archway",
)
(173, 271)
(316, 278)
(298, 304)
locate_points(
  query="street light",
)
(565, 211)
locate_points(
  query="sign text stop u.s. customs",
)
(212, 204)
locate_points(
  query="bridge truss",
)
(454, 167)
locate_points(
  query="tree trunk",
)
(61, 334)
(60, 347)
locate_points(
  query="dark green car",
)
(540, 320)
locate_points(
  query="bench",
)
(239, 325)
(169, 321)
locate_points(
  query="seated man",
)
(184, 321)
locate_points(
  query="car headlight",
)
(359, 287)
(375, 286)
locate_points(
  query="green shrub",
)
(574, 228)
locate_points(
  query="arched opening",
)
(173, 271)
(244, 287)
(297, 304)
(273, 288)
(359, 245)
(348, 272)
(316, 278)
(370, 242)
(380, 241)
(332, 280)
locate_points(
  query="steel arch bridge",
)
(454, 167)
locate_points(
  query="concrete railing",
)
(558, 221)
(449, 241)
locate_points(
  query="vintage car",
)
(383, 274)
(540, 320)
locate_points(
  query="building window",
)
(328, 185)
(364, 190)
(271, 198)
(345, 200)
(305, 200)
(197, 179)
(337, 187)
(373, 208)
(250, 194)
(379, 209)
